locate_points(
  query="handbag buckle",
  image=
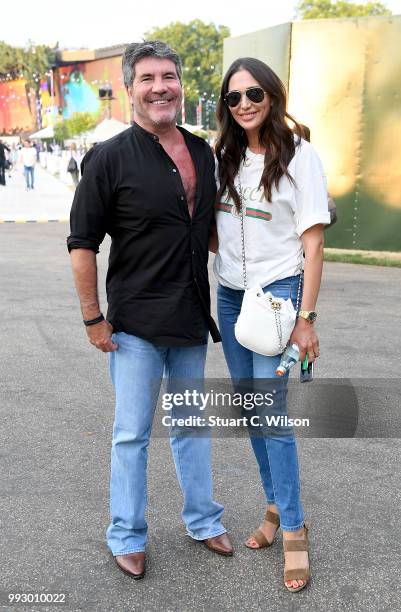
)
(276, 305)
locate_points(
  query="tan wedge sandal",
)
(303, 573)
(259, 536)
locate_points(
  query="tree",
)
(200, 47)
(325, 9)
(32, 61)
(76, 124)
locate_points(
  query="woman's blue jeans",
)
(137, 367)
(276, 454)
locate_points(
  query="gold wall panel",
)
(325, 93)
(381, 153)
(271, 45)
(344, 83)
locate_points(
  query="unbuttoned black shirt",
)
(157, 280)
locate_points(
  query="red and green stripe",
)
(254, 213)
(223, 207)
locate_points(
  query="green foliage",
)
(75, 125)
(31, 62)
(325, 9)
(201, 133)
(200, 46)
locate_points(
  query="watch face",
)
(312, 317)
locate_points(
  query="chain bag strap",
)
(275, 304)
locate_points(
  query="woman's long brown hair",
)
(275, 134)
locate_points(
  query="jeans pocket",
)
(279, 291)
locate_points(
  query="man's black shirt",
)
(157, 281)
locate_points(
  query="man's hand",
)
(100, 336)
(85, 275)
(305, 336)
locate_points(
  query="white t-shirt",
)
(273, 229)
(28, 156)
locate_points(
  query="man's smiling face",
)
(156, 93)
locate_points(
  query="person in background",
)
(29, 157)
(73, 164)
(13, 159)
(3, 162)
(37, 148)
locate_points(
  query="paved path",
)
(56, 412)
(50, 200)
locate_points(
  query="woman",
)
(280, 180)
(73, 164)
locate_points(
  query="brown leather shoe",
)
(220, 544)
(132, 564)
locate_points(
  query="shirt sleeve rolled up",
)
(311, 190)
(91, 207)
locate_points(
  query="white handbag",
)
(265, 322)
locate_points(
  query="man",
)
(28, 156)
(152, 189)
(3, 164)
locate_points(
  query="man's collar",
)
(139, 129)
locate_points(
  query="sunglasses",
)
(254, 94)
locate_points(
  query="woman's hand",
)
(305, 336)
(304, 333)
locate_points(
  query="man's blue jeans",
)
(276, 454)
(29, 172)
(135, 367)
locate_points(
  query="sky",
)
(100, 23)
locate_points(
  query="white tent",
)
(47, 132)
(106, 129)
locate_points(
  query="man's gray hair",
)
(149, 48)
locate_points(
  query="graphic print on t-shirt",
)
(227, 206)
(256, 213)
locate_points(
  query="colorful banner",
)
(71, 89)
(17, 107)
(79, 86)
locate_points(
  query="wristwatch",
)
(309, 315)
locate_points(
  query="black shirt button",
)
(193, 251)
(174, 170)
(182, 197)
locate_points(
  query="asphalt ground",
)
(56, 406)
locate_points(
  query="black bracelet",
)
(98, 319)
